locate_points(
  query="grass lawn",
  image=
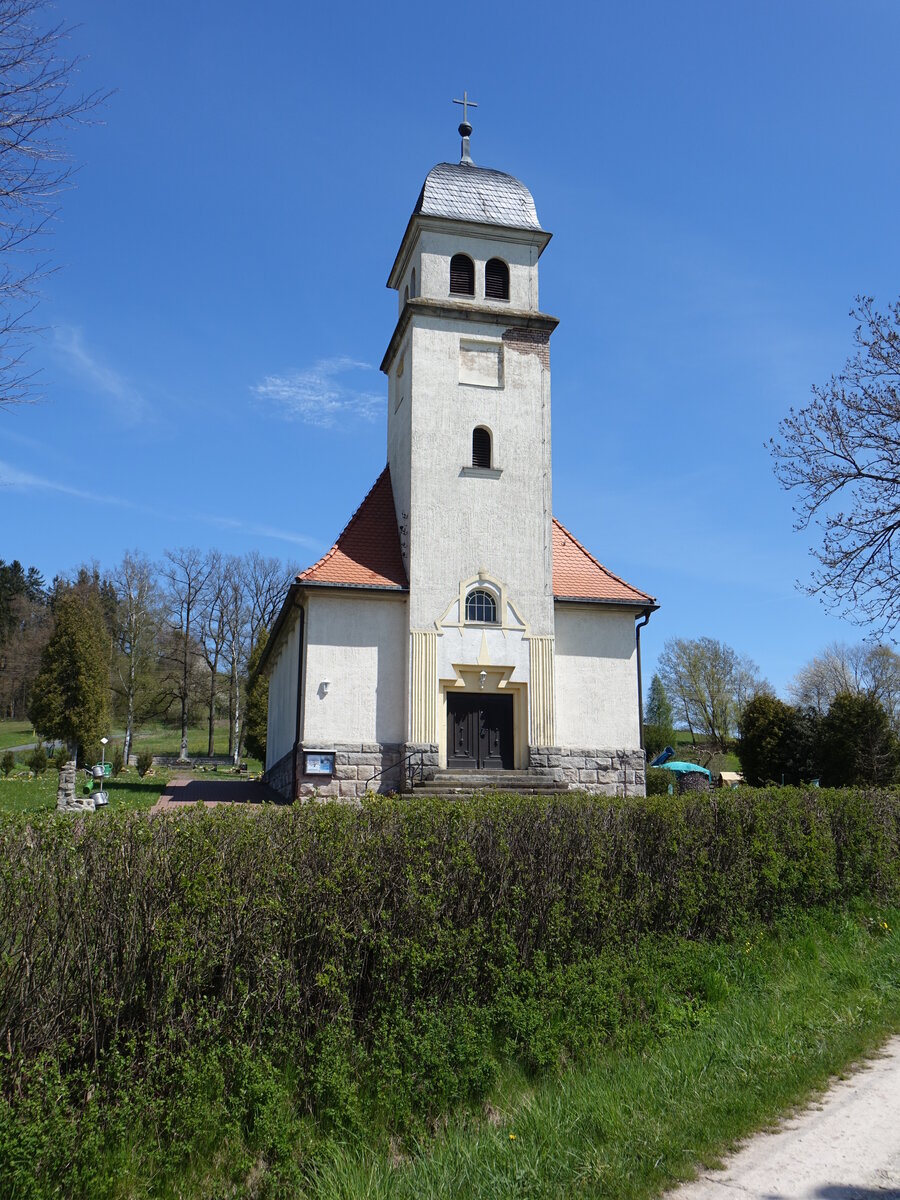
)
(22, 794)
(15, 733)
(164, 739)
(685, 752)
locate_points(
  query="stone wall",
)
(604, 772)
(354, 765)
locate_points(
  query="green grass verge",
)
(775, 1015)
(21, 794)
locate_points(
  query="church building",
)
(456, 631)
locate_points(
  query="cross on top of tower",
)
(465, 128)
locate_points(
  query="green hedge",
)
(400, 944)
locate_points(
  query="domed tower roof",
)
(464, 192)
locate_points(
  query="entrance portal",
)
(480, 732)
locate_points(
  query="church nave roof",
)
(367, 553)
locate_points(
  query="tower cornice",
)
(481, 314)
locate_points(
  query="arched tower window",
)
(406, 294)
(462, 275)
(412, 283)
(481, 447)
(496, 279)
(481, 606)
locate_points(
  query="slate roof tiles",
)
(470, 193)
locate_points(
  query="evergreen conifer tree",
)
(658, 731)
(70, 697)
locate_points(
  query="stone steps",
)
(456, 784)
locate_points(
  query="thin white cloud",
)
(130, 406)
(22, 481)
(324, 395)
(268, 531)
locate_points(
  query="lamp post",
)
(103, 744)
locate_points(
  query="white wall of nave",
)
(596, 678)
(282, 718)
(358, 643)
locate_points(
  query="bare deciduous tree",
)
(841, 456)
(238, 624)
(137, 624)
(266, 582)
(214, 634)
(708, 684)
(37, 107)
(186, 572)
(861, 670)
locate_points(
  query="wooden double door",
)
(480, 732)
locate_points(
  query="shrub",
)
(60, 757)
(118, 760)
(658, 781)
(7, 763)
(144, 762)
(37, 759)
(384, 956)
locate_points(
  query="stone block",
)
(345, 771)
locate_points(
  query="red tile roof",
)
(367, 554)
(578, 576)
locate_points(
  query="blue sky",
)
(721, 180)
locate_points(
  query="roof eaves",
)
(637, 604)
(288, 605)
(355, 587)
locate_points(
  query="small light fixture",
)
(483, 678)
(324, 686)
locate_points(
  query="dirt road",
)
(845, 1147)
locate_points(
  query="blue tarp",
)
(682, 768)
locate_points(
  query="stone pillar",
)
(67, 799)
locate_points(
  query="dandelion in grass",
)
(512, 1137)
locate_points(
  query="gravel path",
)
(845, 1147)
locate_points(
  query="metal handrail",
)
(414, 770)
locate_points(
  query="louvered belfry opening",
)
(462, 275)
(481, 447)
(496, 280)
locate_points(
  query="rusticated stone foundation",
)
(355, 764)
(603, 772)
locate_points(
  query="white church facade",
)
(456, 629)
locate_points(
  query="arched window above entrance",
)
(481, 607)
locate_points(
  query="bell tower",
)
(468, 367)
